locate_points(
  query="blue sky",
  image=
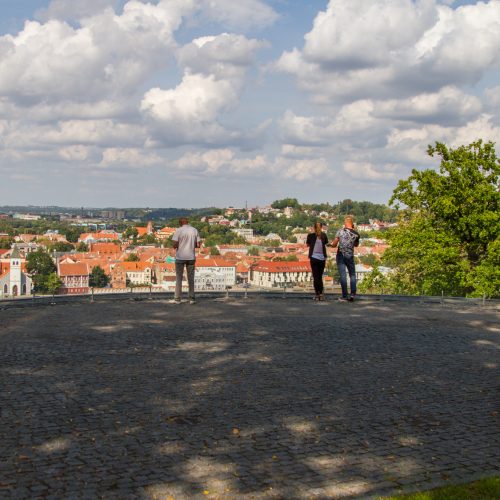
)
(216, 102)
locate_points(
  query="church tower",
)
(15, 272)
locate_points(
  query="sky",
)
(194, 103)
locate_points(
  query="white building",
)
(244, 232)
(210, 275)
(14, 280)
(267, 274)
(214, 273)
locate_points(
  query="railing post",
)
(284, 290)
(150, 293)
(91, 294)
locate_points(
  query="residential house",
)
(126, 274)
(74, 277)
(267, 274)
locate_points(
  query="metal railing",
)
(148, 293)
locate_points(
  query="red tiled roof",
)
(214, 262)
(135, 266)
(107, 248)
(77, 269)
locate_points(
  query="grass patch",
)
(484, 489)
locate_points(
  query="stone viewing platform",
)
(246, 398)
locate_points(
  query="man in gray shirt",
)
(186, 239)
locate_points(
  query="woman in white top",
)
(317, 242)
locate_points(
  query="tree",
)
(53, 283)
(286, 202)
(149, 239)
(72, 234)
(368, 259)
(61, 246)
(133, 257)
(82, 247)
(98, 278)
(375, 281)
(40, 266)
(131, 232)
(214, 251)
(6, 243)
(254, 251)
(448, 238)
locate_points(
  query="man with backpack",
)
(346, 239)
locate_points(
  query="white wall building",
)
(267, 274)
(14, 280)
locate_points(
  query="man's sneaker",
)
(343, 299)
(174, 301)
(351, 298)
(192, 301)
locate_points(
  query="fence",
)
(148, 293)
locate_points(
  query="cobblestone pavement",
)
(256, 398)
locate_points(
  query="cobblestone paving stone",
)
(256, 398)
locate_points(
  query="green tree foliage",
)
(287, 258)
(375, 281)
(82, 247)
(217, 235)
(148, 239)
(286, 202)
(254, 251)
(72, 234)
(168, 243)
(61, 246)
(53, 283)
(98, 278)
(369, 259)
(214, 251)
(448, 239)
(133, 257)
(40, 266)
(130, 232)
(6, 243)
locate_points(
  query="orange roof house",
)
(74, 277)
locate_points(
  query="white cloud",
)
(214, 71)
(65, 10)
(347, 56)
(131, 157)
(102, 133)
(342, 38)
(74, 153)
(240, 15)
(220, 162)
(109, 55)
(448, 106)
(367, 172)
